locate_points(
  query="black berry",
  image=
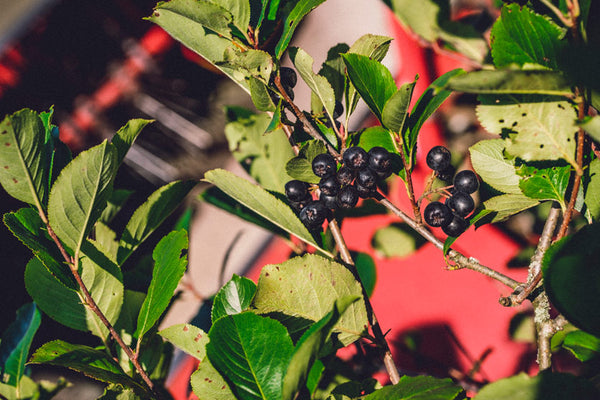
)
(338, 110)
(345, 175)
(329, 201)
(289, 90)
(313, 214)
(329, 185)
(364, 192)
(446, 174)
(380, 160)
(347, 197)
(288, 77)
(456, 226)
(355, 157)
(461, 203)
(296, 190)
(437, 214)
(324, 165)
(366, 178)
(438, 158)
(299, 205)
(466, 181)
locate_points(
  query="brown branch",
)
(409, 185)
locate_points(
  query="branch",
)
(409, 185)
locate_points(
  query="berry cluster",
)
(450, 216)
(341, 187)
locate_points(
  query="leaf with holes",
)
(233, 298)
(545, 184)
(208, 384)
(188, 338)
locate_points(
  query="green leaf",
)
(23, 169)
(208, 384)
(318, 84)
(301, 169)
(507, 205)
(255, 63)
(511, 81)
(354, 389)
(240, 11)
(545, 184)
(300, 10)
(546, 385)
(263, 156)
(170, 261)
(372, 80)
(233, 298)
(282, 289)
(373, 46)
(418, 388)
(592, 192)
(118, 392)
(521, 37)
(16, 341)
(592, 127)
(91, 362)
(395, 240)
(253, 352)
(29, 389)
(367, 271)
(150, 215)
(115, 202)
(539, 127)
(124, 138)
(308, 348)
(261, 202)
(188, 338)
(259, 93)
(572, 277)
(487, 157)
(333, 69)
(80, 192)
(206, 13)
(28, 227)
(395, 110)
(583, 345)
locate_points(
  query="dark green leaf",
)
(114, 204)
(418, 388)
(151, 214)
(583, 345)
(300, 10)
(545, 184)
(592, 127)
(208, 384)
(572, 277)
(355, 389)
(253, 352)
(233, 298)
(16, 341)
(333, 69)
(170, 262)
(188, 338)
(124, 138)
(592, 192)
(367, 271)
(395, 110)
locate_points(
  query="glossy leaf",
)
(487, 157)
(282, 289)
(188, 338)
(23, 169)
(395, 110)
(592, 193)
(418, 388)
(372, 80)
(253, 352)
(233, 298)
(80, 193)
(16, 341)
(545, 184)
(582, 345)
(260, 201)
(521, 36)
(300, 10)
(150, 215)
(170, 262)
(124, 138)
(507, 205)
(367, 271)
(308, 348)
(208, 384)
(572, 277)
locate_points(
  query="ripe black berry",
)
(466, 181)
(324, 165)
(329, 201)
(364, 192)
(296, 190)
(345, 175)
(437, 214)
(366, 178)
(456, 226)
(288, 77)
(289, 90)
(313, 214)
(355, 157)
(461, 203)
(446, 174)
(338, 110)
(347, 197)
(380, 160)
(438, 158)
(299, 205)
(329, 185)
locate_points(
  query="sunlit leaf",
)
(124, 138)
(188, 338)
(233, 298)
(487, 157)
(208, 384)
(300, 10)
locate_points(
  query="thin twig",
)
(409, 185)
(388, 360)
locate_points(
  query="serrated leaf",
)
(208, 384)
(253, 352)
(282, 289)
(582, 345)
(539, 127)
(233, 298)
(91, 362)
(487, 157)
(124, 138)
(262, 202)
(259, 93)
(308, 348)
(240, 11)
(301, 169)
(507, 205)
(545, 184)
(170, 262)
(79, 194)
(114, 204)
(150, 215)
(418, 388)
(300, 10)
(395, 240)
(28, 227)
(318, 84)
(521, 36)
(546, 385)
(572, 277)
(188, 338)
(16, 341)
(395, 110)
(592, 192)
(372, 80)
(511, 81)
(23, 168)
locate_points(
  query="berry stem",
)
(409, 185)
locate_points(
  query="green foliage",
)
(188, 338)
(417, 388)
(233, 298)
